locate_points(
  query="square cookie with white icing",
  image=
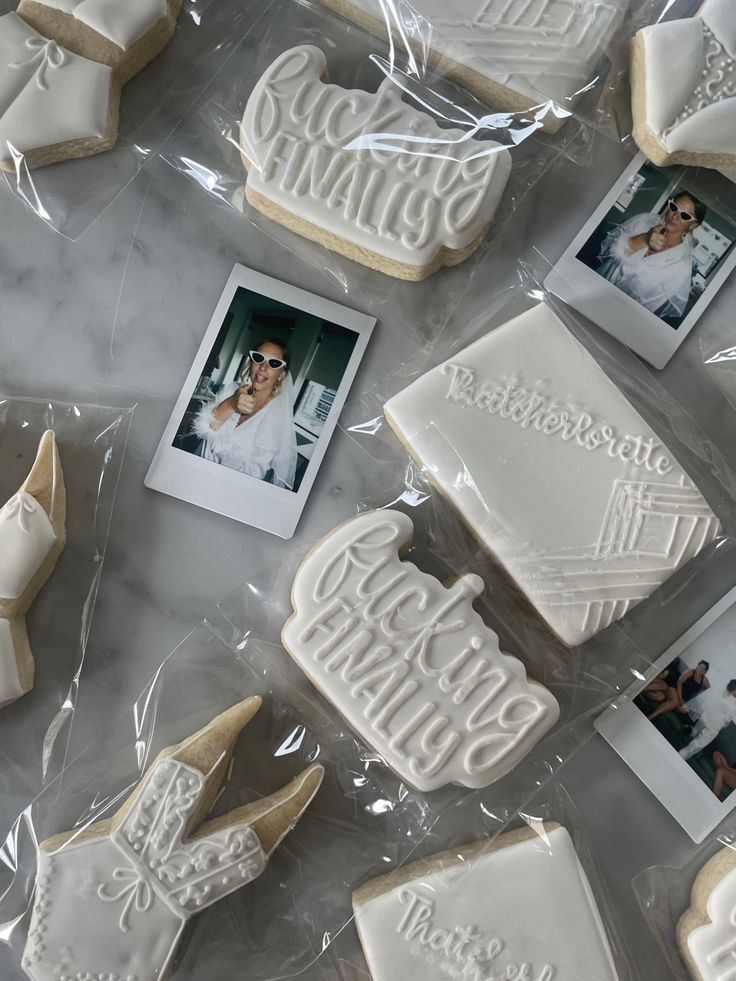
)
(512, 54)
(520, 908)
(687, 116)
(54, 105)
(555, 472)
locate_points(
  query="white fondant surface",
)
(713, 945)
(10, 686)
(123, 23)
(523, 912)
(540, 48)
(555, 472)
(409, 663)
(693, 109)
(47, 94)
(131, 893)
(26, 538)
(367, 167)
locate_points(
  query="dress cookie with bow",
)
(366, 174)
(683, 81)
(32, 537)
(125, 36)
(112, 899)
(54, 105)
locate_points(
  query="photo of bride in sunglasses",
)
(650, 256)
(249, 426)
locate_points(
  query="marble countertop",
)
(117, 317)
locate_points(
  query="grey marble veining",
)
(117, 317)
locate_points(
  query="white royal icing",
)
(555, 472)
(713, 945)
(367, 167)
(539, 48)
(10, 686)
(133, 891)
(408, 662)
(523, 913)
(123, 23)
(26, 538)
(693, 109)
(47, 94)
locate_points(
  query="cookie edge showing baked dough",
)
(490, 92)
(80, 39)
(712, 873)
(43, 156)
(644, 138)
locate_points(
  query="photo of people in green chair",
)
(692, 703)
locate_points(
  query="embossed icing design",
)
(20, 506)
(461, 951)
(713, 945)
(718, 80)
(136, 878)
(649, 526)
(547, 47)
(409, 662)
(531, 407)
(122, 23)
(44, 56)
(366, 166)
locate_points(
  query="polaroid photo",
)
(256, 414)
(677, 728)
(652, 257)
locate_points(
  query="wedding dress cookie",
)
(512, 54)
(112, 899)
(706, 932)
(520, 908)
(366, 174)
(408, 662)
(555, 472)
(54, 105)
(32, 537)
(683, 80)
(124, 35)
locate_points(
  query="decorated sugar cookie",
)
(366, 174)
(112, 899)
(54, 105)
(408, 662)
(520, 908)
(683, 78)
(512, 54)
(555, 472)
(124, 35)
(706, 932)
(32, 537)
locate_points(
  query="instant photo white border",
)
(612, 309)
(217, 488)
(657, 764)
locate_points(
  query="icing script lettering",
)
(713, 945)
(530, 408)
(409, 662)
(463, 952)
(365, 160)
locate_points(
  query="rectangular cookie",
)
(511, 54)
(519, 908)
(555, 472)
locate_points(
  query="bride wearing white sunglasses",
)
(249, 426)
(650, 256)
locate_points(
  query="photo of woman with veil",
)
(249, 425)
